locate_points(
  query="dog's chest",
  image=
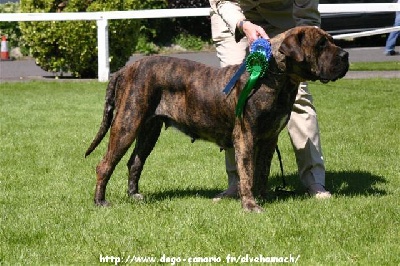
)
(271, 125)
(273, 115)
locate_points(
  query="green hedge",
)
(71, 46)
(197, 26)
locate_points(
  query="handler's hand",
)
(253, 32)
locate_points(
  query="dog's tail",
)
(108, 113)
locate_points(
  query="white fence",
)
(103, 17)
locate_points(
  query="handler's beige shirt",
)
(272, 15)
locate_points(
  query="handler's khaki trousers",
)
(302, 127)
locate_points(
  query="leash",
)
(278, 152)
(282, 189)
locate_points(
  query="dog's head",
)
(311, 54)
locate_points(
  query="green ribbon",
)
(256, 65)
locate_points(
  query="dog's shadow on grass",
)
(343, 183)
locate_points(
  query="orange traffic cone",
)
(4, 49)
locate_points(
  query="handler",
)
(235, 25)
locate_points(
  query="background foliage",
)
(199, 26)
(189, 33)
(72, 45)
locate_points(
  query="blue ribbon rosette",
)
(256, 64)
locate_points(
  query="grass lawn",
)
(47, 214)
(375, 66)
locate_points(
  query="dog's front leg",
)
(245, 163)
(264, 153)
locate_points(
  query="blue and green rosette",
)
(256, 64)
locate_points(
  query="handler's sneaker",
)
(318, 191)
(231, 192)
(392, 52)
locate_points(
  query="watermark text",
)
(173, 260)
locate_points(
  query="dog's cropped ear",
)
(291, 46)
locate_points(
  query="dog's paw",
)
(251, 206)
(102, 203)
(136, 196)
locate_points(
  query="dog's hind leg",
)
(104, 171)
(145, 143)
(122, 134)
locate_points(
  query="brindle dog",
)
(188, 95)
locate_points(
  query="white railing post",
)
(102, 50)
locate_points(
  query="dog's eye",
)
(322, 43)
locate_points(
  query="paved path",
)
(23, 70)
